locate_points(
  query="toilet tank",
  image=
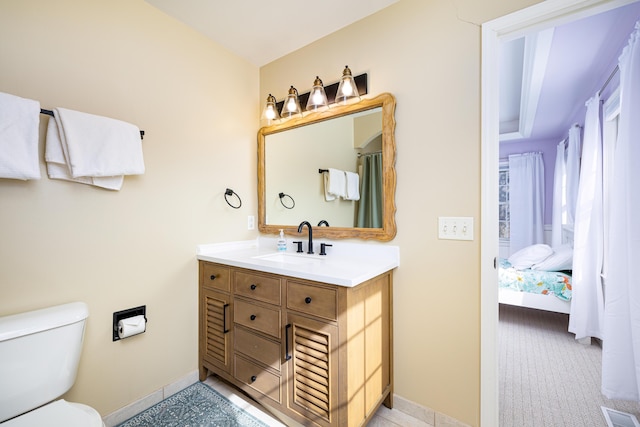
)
(39, 355)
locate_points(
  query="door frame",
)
(549, 13)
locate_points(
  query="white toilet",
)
(39, 356)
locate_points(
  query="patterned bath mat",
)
(196, 406)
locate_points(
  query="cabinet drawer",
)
(257, 317)
(258, 287)
(315, 300)
(257, 347)
(215, 276)
(256, 377)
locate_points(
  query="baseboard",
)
(148, 401)
(424, 413)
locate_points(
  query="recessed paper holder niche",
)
(125, 314)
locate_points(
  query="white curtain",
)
(587, 304)
(621, 346)
(526, 200)
(573, 172)
(565, 185)
(559, 208)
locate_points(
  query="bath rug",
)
(197, 405)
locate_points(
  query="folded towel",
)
(99, 146)
(353, 186)
(57, 167)
(19, 122)
(327, 183)
(335, 184)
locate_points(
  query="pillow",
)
(562, 259)
(526, 257)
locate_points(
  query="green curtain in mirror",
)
(370, 206)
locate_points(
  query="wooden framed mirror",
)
(293, 155)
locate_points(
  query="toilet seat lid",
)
(59, 413)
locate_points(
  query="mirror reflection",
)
(337, 175)
(335, 168)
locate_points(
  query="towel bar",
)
(50, 113)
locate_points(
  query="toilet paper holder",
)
(125, 314)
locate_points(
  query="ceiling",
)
(546, 79)
(263, 31)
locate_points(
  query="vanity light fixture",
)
(270, 112)
(317, 97)
(334, 93)
(291, 105)
(347, 89)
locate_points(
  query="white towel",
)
(353, 186)
(327, 183)
(57, 167)
(335, 184)
(19, 122)
(99, 146)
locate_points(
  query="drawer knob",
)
(253, 286)
(253, 378)
(213, 277)
(252, 317)
(307, 300)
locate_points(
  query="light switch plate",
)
(455, 228)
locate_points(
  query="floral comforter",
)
(534, 281)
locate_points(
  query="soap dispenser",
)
(282, 242)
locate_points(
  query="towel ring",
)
(282, 196)
(230, 192)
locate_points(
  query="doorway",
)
(541, 16)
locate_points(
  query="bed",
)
(539, 289)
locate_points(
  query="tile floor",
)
(385, 417)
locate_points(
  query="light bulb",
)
(270, 113)
(317, 97)
(291, 105)
(347, 89)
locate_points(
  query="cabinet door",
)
(311, 349)
(215, 329)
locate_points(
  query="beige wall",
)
(61, 241)
(426, 53)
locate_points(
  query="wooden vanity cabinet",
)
(319, 353)
(215, 305)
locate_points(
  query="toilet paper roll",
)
(131, 326)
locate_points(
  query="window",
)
(503, 201)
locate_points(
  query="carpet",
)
(196, 405)
(546, 377)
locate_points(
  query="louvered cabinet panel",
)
(312, 371)
(215, 329)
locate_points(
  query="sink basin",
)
(286, 258)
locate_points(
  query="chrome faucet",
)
(300, 227)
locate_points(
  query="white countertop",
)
(346, 263)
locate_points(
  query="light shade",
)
(291, 105)
(270, 112)
(347, 89)
(317, 98)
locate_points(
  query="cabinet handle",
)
(224, 318)
(307, 300)
(253, 286)
(213, 277)
(287, 356)
(252, 317)
(253, 378)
